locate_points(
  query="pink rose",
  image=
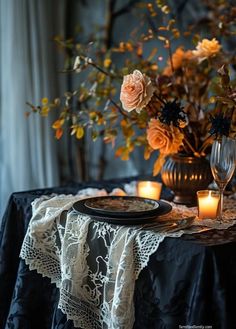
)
(136, 91)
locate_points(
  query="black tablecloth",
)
(187, 282)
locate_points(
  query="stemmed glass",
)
(223, 161)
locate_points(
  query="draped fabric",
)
(29, 71)
(185, 282)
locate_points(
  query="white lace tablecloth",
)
(95, 264)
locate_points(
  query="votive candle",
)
(149, 189)
(208, 202)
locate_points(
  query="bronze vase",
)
(186, 175)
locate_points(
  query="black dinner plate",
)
(163, 209)
(122, 206)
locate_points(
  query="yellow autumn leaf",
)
(58, 123)
(151, 9)
(170, 23)
(212, 100)
(128, 131)
(101, 77)
(123, 123)
(129, 46)
(107, 62)
(44, 101)
(79, 132)
(125, 155)
(158, 164)
(162, 28)
(95, 135)
(147, 152)
(122, 46)
(130, 147)
(139, 50)
(101, 121)
(154, 67)
(44, 111)
(176, 33)
(161, 38)
(119, 151)
(165, 9)
(93, 115)
(186, 33)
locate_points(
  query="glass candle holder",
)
(208, 204)
(149, 189)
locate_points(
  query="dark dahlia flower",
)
(172, 113)
(220, 125)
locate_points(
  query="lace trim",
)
(82, 314)
(46, 265)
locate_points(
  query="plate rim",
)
(123, 213)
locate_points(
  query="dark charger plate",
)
(118, 218)
(124, 206)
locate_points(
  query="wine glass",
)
(223, 160)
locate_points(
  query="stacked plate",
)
(123, 210)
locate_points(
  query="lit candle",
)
(208, 202)
(149, 189)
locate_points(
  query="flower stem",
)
(187, 143)
(207, 142)
(159, 98)
(118, 108)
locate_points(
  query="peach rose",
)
(177, 60)
(136, 91)
(166, 139)
(206, 48)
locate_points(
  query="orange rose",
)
(177, 60)
(136, 91)
(206, 48)
(166, 139)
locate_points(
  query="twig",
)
(158, 97)
(125, 9)
(207, 142)
(170, 56)
(118, 108)
(92, 63)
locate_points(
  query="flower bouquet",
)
(175, 102)
(176, 105)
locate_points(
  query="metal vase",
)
(185, 176)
